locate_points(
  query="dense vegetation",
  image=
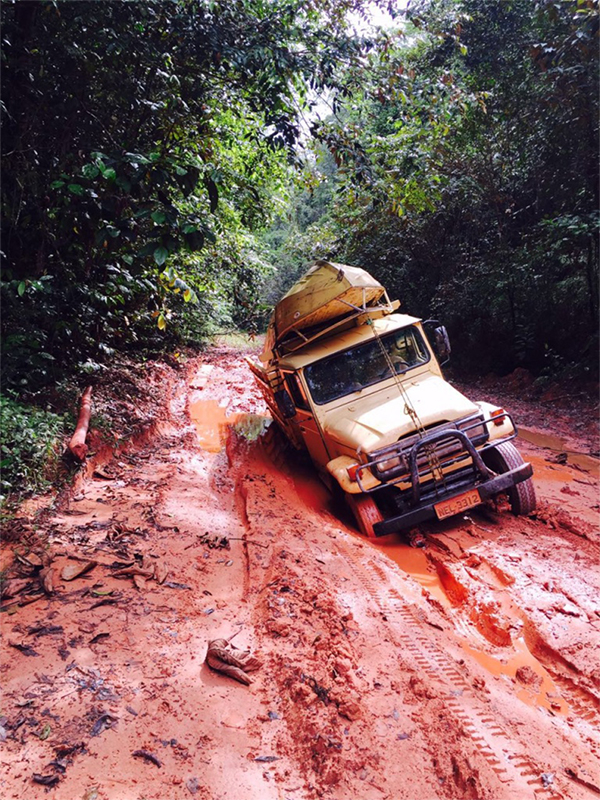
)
(143, 145)
(163, 176)
(466, 179)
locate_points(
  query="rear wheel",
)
(503, 458)
(366, 513)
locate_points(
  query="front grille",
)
(392, 462)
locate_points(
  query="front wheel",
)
(366, 513)
(503, 458)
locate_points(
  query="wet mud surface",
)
(469, 669)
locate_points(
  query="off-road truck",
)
(360, 387)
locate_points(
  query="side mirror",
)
(285, 404)
(439, 340)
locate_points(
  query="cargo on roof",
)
(326, 293)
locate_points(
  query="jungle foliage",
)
(466, 178)
(148, 147)
(31, 446)
(143, 145)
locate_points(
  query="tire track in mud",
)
(492, 742)
(506, 757)
(580, 702)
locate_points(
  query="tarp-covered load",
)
(326, 293)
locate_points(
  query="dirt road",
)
(467, 670)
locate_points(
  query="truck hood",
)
(379, 418)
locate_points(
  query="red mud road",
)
(468, 670)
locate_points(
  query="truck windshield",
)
(354, 369)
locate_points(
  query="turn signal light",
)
(498, 416)
(352, 471)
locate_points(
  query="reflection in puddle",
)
(213, 423)
(557, 445)
(542, 692)
(250, 426)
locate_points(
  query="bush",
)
(30, 447)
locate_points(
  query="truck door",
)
(305, 420)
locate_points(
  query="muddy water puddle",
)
(414, 562)
(213, 424)
(557, 445)
(538, 688)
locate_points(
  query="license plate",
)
(457, 504)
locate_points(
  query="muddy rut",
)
(470, 669)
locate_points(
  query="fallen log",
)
(77, 445)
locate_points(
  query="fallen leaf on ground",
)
(130, 572)
(47, 579)
(26, 649)
(99, 473)
(224, 657)
(45, 733)
(102, 723)
(99, 636)
(45, 780)
(31, 560)
(13, 587)
(72, 571)
(147, 757)
(160, 572)
(107, 601)
(45, 630)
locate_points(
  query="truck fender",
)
(338, 468)
(496, 431)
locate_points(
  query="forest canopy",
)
(164, 176)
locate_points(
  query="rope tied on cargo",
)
(430, 450)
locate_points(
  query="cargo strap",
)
(432, 456)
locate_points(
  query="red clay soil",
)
(467, 670)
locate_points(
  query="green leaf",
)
(57, 184)
(46, 731)
(90, 171)
(161, 322)
(21, 288)
(160, 255)
(187, 295)
(76, 188)
(159, 217)
(110, 174)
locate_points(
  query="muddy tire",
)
(503, 458)
(366, 513)
(275, 446)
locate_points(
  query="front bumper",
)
(426, 509)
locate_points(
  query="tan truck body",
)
(359, 386)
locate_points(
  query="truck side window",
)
(291, 382)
